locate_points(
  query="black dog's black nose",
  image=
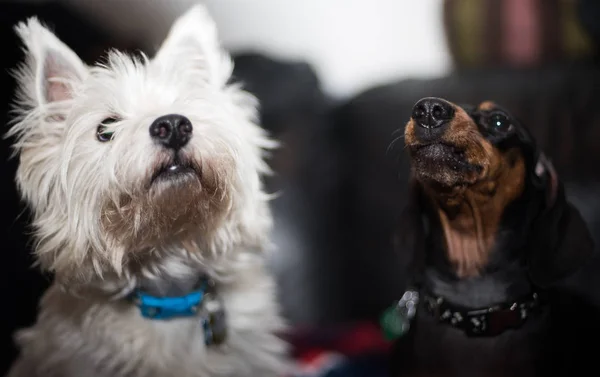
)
(173, 130)
(432, 112)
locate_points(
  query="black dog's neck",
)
(485, 290)
(505, 276)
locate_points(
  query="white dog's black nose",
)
(173, 131)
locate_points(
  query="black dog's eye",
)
(499, 122)
(101, 133)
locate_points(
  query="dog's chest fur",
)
(437, 349)
(112, 339)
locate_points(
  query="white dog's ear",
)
(51, 70)
(193, 37)
(46, 82)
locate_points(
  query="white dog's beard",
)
(180, 199)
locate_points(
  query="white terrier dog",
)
(144, 178)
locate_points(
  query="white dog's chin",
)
(178, 170)
(143, 173)
(176, 173)
(182, 200)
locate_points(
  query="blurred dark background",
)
(342, 185)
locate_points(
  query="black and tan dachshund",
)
(491, 238)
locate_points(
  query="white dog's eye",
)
(101, 133)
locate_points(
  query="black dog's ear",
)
(562, 243)
(545, 178)
(409, 236)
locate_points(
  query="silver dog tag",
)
(396, 320)
(214, 320)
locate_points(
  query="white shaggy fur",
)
(103, 227)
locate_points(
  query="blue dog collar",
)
(153, 307)
(202, 303)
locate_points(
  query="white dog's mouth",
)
(174, 170)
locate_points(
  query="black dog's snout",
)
(432, 116)
(173, 131)
(432, 112)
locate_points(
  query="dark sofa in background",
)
(341, 183)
